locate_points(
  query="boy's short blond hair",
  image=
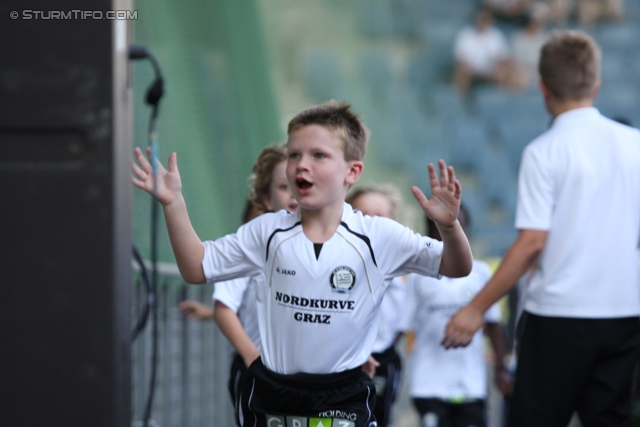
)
(260, 179)
(341, 122)
(390, 192)
(570, 65)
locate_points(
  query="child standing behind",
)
(449, 387)
(234, 300)
(384, 201)
(325, 269)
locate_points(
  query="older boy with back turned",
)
(325, 271)
(580, 329)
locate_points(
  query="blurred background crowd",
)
(452, 79)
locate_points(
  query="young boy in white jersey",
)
(325, 270)
(449, 387)
(580, 331)
(234, 300)
(384, 201)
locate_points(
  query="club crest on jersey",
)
(342, 280)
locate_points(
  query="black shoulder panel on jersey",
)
(364, 238)
(277, 231)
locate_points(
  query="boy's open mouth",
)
(303, 184)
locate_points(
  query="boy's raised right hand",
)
(185, 243)
(169, 185)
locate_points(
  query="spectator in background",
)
(481, 52)
(588, 11)
(515, 11)
(526, 45)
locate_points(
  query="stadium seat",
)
(447, 103)
(516, 132)
(619, 99)
(323, 76)
(468, 139)
(375, 68)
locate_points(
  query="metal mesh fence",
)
(193, 361)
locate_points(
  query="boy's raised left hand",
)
(444, 204)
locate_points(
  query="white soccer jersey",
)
(240, 296)
(433, 370)
(319, 315)
(391, 312)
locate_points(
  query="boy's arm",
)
(230, 325)
(370, 366)
(195, 310)
(186, 244)
(457, 259)
(522, 254)
(443, 208)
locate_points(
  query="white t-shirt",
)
(240, 296)
(391, 311)
(319, 315)
(481, 51)
(580, 181)
(435, 372)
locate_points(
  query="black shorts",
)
(387, 382)
(442, 413)
(236, 374)
(569, 364)
(343, 399)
